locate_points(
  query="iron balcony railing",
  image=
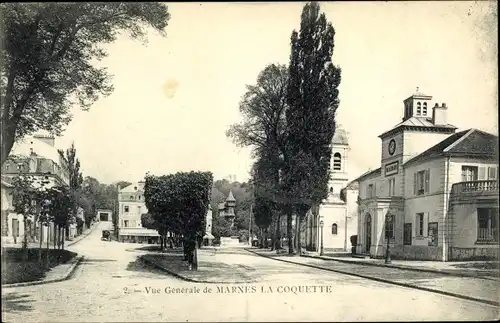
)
(475, 186)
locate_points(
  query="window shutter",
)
(492, 173)
(481, 173)
(427, 180)
(415, 184)
(374, 193)
(426, 224)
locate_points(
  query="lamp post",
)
(321, 232)
(388, 220)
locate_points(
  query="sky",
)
(175, 98)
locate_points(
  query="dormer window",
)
(337, 161)
(419, 109)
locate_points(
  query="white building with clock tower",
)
(419, 197)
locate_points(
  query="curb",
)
(401, 267)
(173, 273)
(83, 236)
(68, 275)
(380, 280)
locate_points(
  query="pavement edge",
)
(400, 267)
(469, 298)
(173, 273)
(68, 275)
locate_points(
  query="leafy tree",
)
(179, 204)
(264, 128)
(48, 54)
(72, 165)
(312, 96)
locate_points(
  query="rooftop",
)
(419, 123)
(467, 143)
(340, 137)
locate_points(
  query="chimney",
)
(439, 114)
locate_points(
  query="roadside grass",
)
(15, 269)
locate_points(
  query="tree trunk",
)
(194, 264)
(40, 245)
(289, 232)
(55, 238)
(186, 251)
(47, 253)
(62, 238)
(277, 239)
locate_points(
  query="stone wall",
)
(465, 254)
(417, 253)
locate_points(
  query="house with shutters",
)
(435, 196)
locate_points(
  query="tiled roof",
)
(470, 142)
(368, 173)
(421, 122)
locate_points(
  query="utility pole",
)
(250, 227)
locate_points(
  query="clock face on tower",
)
(392, 147)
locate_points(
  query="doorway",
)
(368, 232)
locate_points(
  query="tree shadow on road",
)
(16, 302)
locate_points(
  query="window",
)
(419, 108)
(424, 109)
(138, 209)
(331, 189)
(433, 234)
(334, 228)
(419, 225)
(139, 197)
(337, 161)
(469, 173)
(407, 234)
(421, 182)
(126, 209)
(487, 224)
(369, 192)
(125, 223)
(392, 186)
(389, 226)
(492, 173)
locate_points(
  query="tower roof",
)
(230, 197)
(340, 137)
(419, 95)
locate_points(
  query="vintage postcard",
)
(249, 162)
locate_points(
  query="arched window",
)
(337, 161)
(334, 228)
(331, 189)
(419, 109)
(424, 110)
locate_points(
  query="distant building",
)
(131, 206)
(226, 209)
(435, 196)
(339, 219)
(38, 157)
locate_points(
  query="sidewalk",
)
(482, 290)
(67, 243)
(212, 267)
(477, 269)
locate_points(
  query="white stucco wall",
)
(416, 142)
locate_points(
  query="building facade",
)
(131, 206)
(337, 213)
(425, 200)
(37, 157)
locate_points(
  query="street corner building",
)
(334, 221)
(131, 206)
(38, 157)
(435, 196)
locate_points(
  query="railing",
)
(475, 186)
(487, 234)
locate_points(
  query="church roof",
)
(418, 123)
(340, 137)
(230, 197)
(467, 143)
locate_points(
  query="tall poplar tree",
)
(312, 97)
